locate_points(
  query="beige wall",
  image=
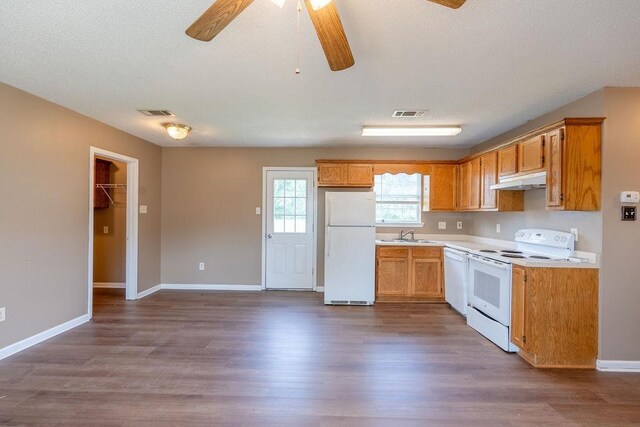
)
(44, 219)
(110, 250)
(589, 224)
(620, 274)
(209, 196)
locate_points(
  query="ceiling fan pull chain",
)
(299, 9)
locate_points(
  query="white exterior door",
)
(289, 229)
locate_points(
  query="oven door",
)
(490, 287)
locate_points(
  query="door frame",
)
(314, 197)
(131, 275)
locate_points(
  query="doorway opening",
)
(289, 243)
(113, 225)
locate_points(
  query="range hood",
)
(523, 182)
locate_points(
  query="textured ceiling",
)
(488, 66)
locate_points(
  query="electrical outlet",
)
(497, 228)
(258, 211)
(574, 231)
(105, 230)
(459, 225)
(3, 316)
(143, 209)
(442, 225)
(201, 266)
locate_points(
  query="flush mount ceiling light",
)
(177, 130)
(411, 130)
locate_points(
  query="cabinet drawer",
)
(427, 252)
(393, 252)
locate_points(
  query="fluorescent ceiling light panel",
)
(411, 130)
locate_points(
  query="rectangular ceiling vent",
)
(409, 113)
(157, 113)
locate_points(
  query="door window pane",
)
(290, 205)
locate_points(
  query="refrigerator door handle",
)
(329, 222)
(328, 243)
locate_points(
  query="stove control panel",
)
(558, 239)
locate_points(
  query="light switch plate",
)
(201, 266)
(258, 211)
(3, 316)
(497, 228)
(442, 225)
(459, 225)
(143, 209)
(105, 230)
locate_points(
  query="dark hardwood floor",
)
(284, 359)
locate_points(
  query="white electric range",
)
(489, 278)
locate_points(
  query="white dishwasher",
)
(455, 279)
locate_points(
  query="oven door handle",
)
(496, 264)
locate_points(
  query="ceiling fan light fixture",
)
(411, 130)
(177, 130)
(318, 4)
(279, 3)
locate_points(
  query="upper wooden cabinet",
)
(343, 174)
(531, 155)
(443, 187)
(508, 161)
(470, 185)
(574, 165)
(496, 200)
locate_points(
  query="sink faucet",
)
(404, 234)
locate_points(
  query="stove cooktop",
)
(515, 254)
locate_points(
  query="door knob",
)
(269, 236)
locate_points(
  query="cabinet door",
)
(465, 169)
(554, 148)
(360, 175)
(443, 194)
(427, 277)
(488, 177)
(531, 154)
(392, 276)
(332, 174)
(474, 183)
(507, 161)
(519, 308)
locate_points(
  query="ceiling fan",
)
(324, 16)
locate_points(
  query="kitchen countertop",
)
(469, 245)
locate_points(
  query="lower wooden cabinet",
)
(409, 274)
(554, 316)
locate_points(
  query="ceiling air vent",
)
(409, 113)
(157, 113)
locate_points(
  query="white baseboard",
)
(38, 338)
(149, 291)
(618, 365)
(109, 285)
(210, 287)
(320, 289)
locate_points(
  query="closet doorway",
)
(113, 225)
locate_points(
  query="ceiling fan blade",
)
(453, 4)
(332, 37)
(218, 16)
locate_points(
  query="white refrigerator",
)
(350, 248)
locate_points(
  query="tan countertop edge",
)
(473, 243)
